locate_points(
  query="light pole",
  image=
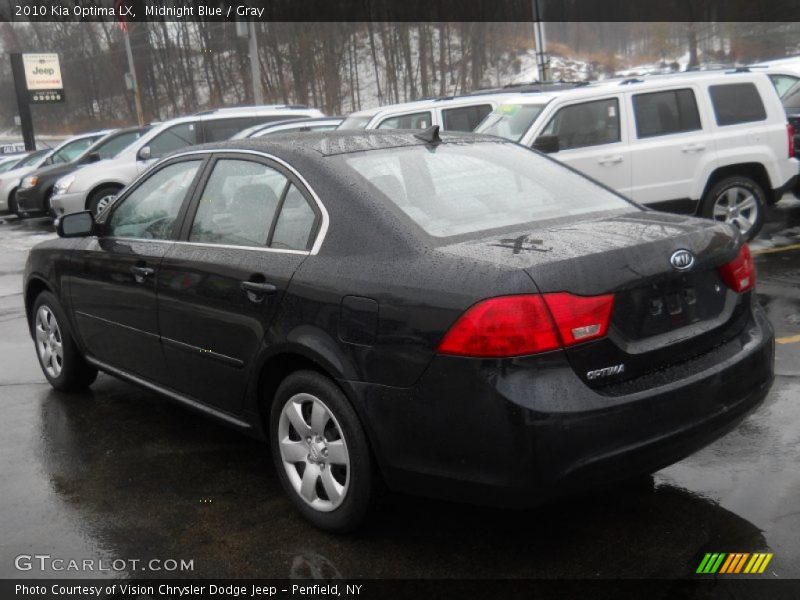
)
(539, 40)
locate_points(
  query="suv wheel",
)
(59, 357)
(321, 452)
(739, 201)
(102, 198)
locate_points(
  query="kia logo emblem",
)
(682, 260)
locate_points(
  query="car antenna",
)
(429, 135)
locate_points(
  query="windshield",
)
(32, 159)
(112, 146)
(510, 121)
(452, 189)
(791, 100)
(9, 164)
(355, 123)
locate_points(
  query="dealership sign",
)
(43, 78)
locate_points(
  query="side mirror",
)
(144, 153)
(79, 224)
(546, 143)
(92, 157)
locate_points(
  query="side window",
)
(421, 120)
(587, 124)
(149, 211)
(662, 113)
(464, 118)
(216, 130)
(737, 103)
(783, 83)
(238, 204)
(174, 138)
(72, 150)
(117, 144)
(295, 223)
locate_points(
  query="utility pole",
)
(255, 66)
(137, 98)
(539, 41)
(247, 29)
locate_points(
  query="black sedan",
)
(459, 316)
(35, 190)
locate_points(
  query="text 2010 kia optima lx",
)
(459, 316)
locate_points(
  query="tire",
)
(100, 198)
(338, 452)
(734, 193)
(12, 202)
(68, 372)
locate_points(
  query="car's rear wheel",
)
(102, 198)
(61, 361)
(321, 452)
(739, 201)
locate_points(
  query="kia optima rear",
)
(459, 316)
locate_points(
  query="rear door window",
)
(662, 113)
(238, 204)
(464, 118)
(296, 222)
(586, 124)
(736, 103)
(420, 120)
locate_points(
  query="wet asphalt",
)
(119, 473)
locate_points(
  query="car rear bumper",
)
(518, 432)
(64, 204)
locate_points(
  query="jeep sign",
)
(43, 78)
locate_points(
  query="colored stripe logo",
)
(734, 563)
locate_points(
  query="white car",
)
(290, 126)
(716, 144)
(93, 187)
(784, 72)
(64, 152)
(459, 113)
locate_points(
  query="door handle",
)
(693, 148)
(142, 273)
(610, 160)
(256, 290)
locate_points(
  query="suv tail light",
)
(527, 324)
(740, 273)
(790, 134)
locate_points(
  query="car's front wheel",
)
(321, 452)
(739, 201)
(61, 361)
(102, 198)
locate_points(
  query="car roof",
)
(438, 102)
(330, 143)
(641, 83)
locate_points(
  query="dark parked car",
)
(462, 317)
(33, 194)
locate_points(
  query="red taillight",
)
(790, 134)
(740, 273)
(527, 324)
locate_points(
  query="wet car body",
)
(368, 305)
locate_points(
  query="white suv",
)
(459, 113)
(94, 186)
(714, 144)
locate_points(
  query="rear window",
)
(737, 103)
(454, 189)
(420, 120)
(510, 121)
(355, 123)
(791, 101)
(662, 113)
(464, 118)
